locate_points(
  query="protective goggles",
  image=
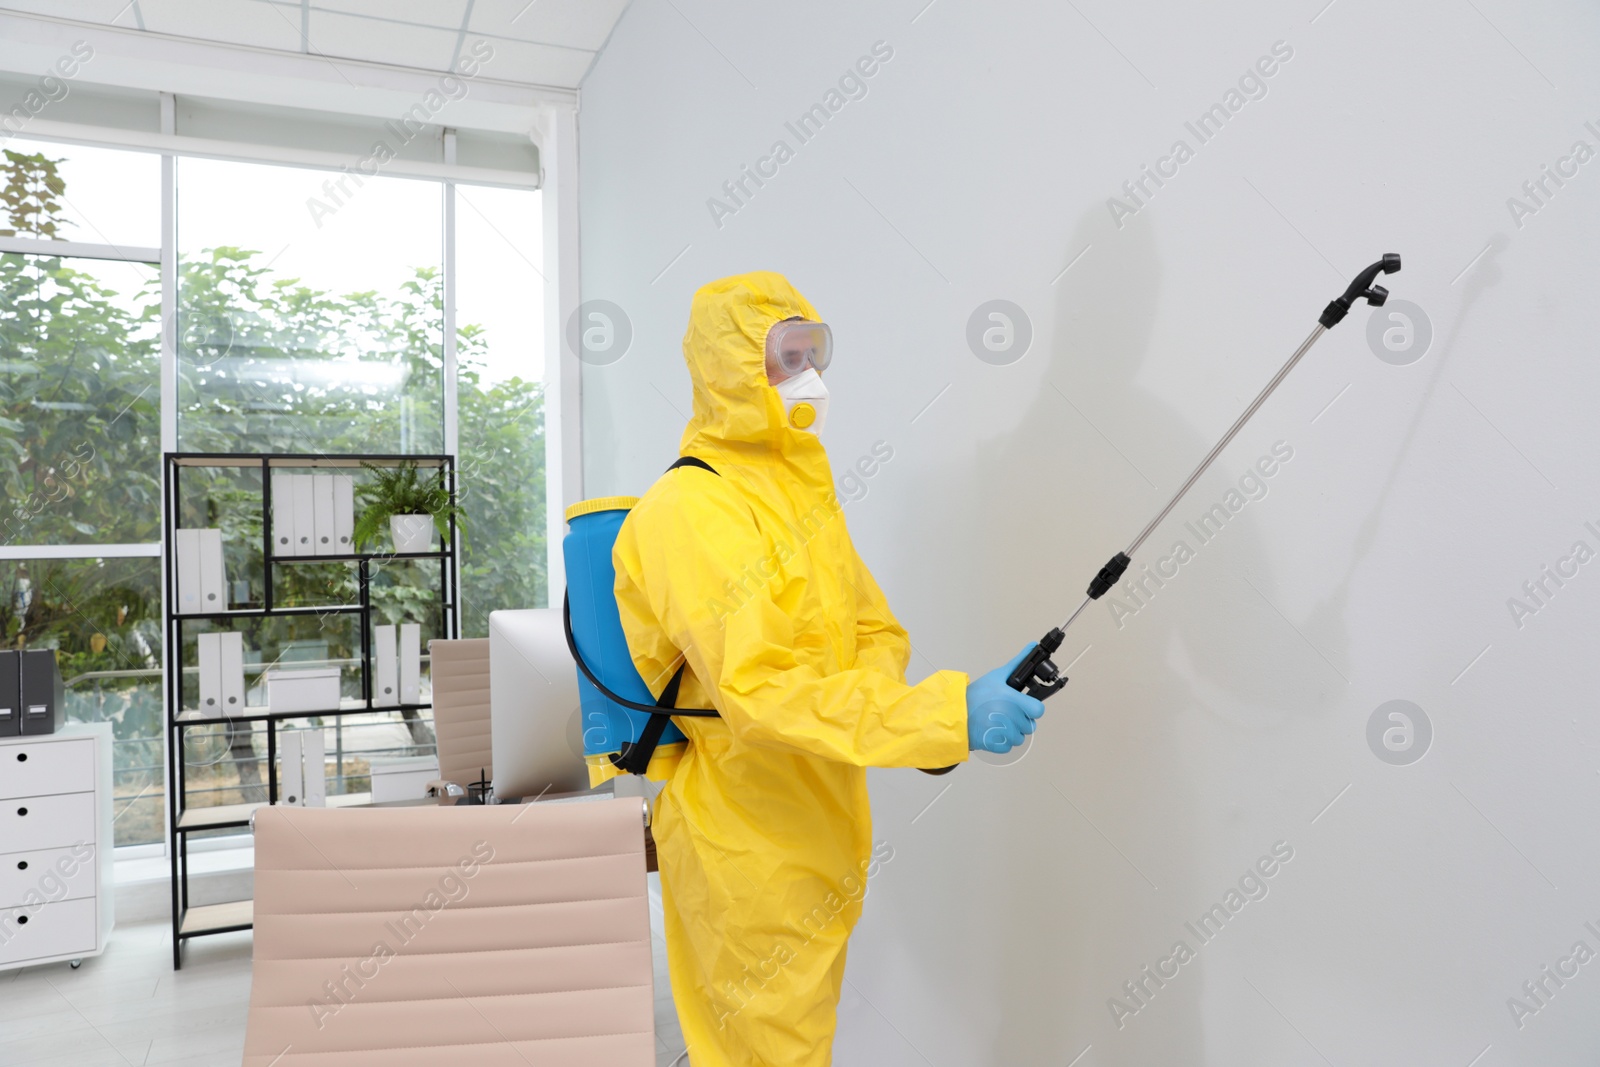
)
(794, 345)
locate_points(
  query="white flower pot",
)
(411, 533)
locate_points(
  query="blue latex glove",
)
(997, 715)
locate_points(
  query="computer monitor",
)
(535, 726)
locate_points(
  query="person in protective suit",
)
(745, 574)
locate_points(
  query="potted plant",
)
(414, 503)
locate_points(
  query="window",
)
(308, 316)
(79, 350)
(499, 348)
(304, 327)
(80, 444)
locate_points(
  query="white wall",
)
(1227, 714)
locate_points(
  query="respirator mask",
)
(796, 350)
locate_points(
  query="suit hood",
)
(735, 409)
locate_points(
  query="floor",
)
(129, 1008)
(669, 1038)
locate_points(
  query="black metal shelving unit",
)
(199, 920)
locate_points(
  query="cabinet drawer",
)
(55, 874)
(31, 769)
(60, 929)
(32, 824)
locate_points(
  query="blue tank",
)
(592, 527)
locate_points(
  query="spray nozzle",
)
(1361, 288)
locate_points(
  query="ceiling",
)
(534, 42)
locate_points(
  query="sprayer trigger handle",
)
(1037, 675)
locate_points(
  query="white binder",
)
(322, 514)
(385, 675)
(305, 531)
(306, 690)
(282, 514)
(410, 663)
(209, 653)
(186, 549)
(232, 674)
(291, 776)
(344, 514)
(213, 576)
(316, 769)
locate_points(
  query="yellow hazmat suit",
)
(764, 832)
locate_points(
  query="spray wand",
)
(1037, 675)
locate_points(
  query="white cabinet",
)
(55, 845)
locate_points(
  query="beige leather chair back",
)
(460, 672)
(496, 936)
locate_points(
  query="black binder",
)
(43, 698)
(10, 693)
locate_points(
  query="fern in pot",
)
(414, 502)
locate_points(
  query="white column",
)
(169, 417)
(452, 435)
(452, 425)
(169, 283)
(556, 134)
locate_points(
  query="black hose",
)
(572, 646)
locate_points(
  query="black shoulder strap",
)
(634, 756)
(694, 461)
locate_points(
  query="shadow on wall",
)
(1209, 683)
(1193, 688)
(1483, 277)
(1205, 687)
(1104, 318)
